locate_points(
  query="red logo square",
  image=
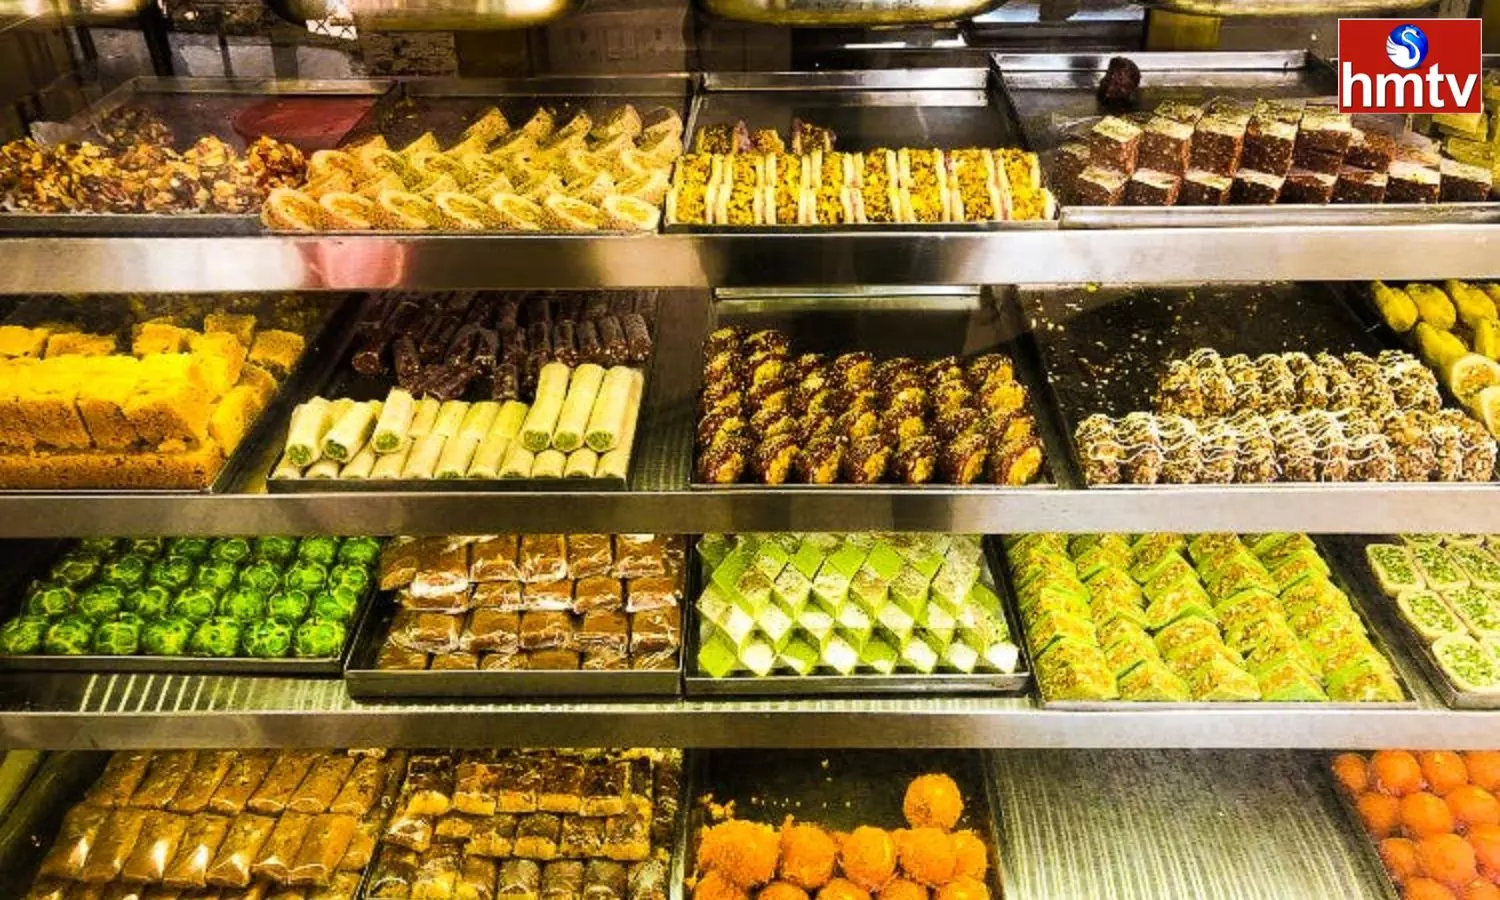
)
(1410, 66)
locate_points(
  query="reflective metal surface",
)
(1148, 825)
(1231, 8)
(431, 15)
(846, 13)
(458, 262)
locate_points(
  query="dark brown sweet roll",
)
(770, 397)
(1002, 395)
(952, 425)
(768, 341)
(505, 383)
(565, 343)
(1143, 459)
(866, 460)
(1217, 386)
(855, 424)
(725, 462)
(1012, 428)
(948, 397)
(943, 370)
(722, 339)
(1182, 448)
(1257, 462)
(1099, 450)
(724, 368)
(512, 345)
(783, 425)
(407, 361)
(590, 350)
(775, 459)
(897, 429)
(1479, 450)
(962, 459)
(1372, 459)
(811, 386)
(720, 393)
(717, 427)
(1294, 448)
(820, 460)
(637, 337)
(825, 402)
(854, 370)
(1015, 462)
(1180, 390)
(1309, 381)
(1447, 449)
(986, 365)
(802, 366)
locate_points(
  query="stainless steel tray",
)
(1377, 634)
(926, 324)
(245, 459)
(1053, 97)
(366, 682)
(846, 13)
(1349, 550)
(12, 601)
(340, 380)
(192, 107)
(790, 685)
(838, 790)
(944, 108)
(1103, 348)
(1233, 8)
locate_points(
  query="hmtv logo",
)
(1410, 66)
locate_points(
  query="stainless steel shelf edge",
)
(1313, 508)
(461, 262)
(79, 712)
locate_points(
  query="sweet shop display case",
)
(1046, 474)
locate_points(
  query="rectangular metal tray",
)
(1103, 348)
(1350, 551)
(1378, 637)
(926, 324)
(246, 458)
(11, 600)
(366, 682)
(943, 108)
(340, 380)
(193, 107)
(1053, 96)
(838, 790)
(790, 685)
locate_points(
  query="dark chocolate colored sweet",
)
(1120, 88)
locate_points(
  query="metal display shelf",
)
(460, 262)
(659, 498)
(140, 710)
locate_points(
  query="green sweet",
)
(319, 638)
(193, 548)
(216, 576)
(131, 618)
(129, 571)
(102, 601)
(219, 636)
(75, 568)
(275, 549)
(262, 576)
(268, 639)
(150, 602)
(243, 605)
(338, 604)
(289, 607)
(321, 550)
(168, 636)
(355, 578)
(101, 547)
(118, 639)
(306, 576)
(23, 634)
(69, 636)
(149, 548)
(230, 550)
(173, 573)
(196, 604)
(52, 601)
(360, 551)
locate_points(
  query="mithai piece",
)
(732, 178)
(546, 174)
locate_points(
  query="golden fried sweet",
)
(781, 890)
(973, 860)
(933, 801)
(808, 855)
(842, 889)
(744, 852)
(903, 889)
(963, 888)
(714, 886)
(869, 857)
(928, 855)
